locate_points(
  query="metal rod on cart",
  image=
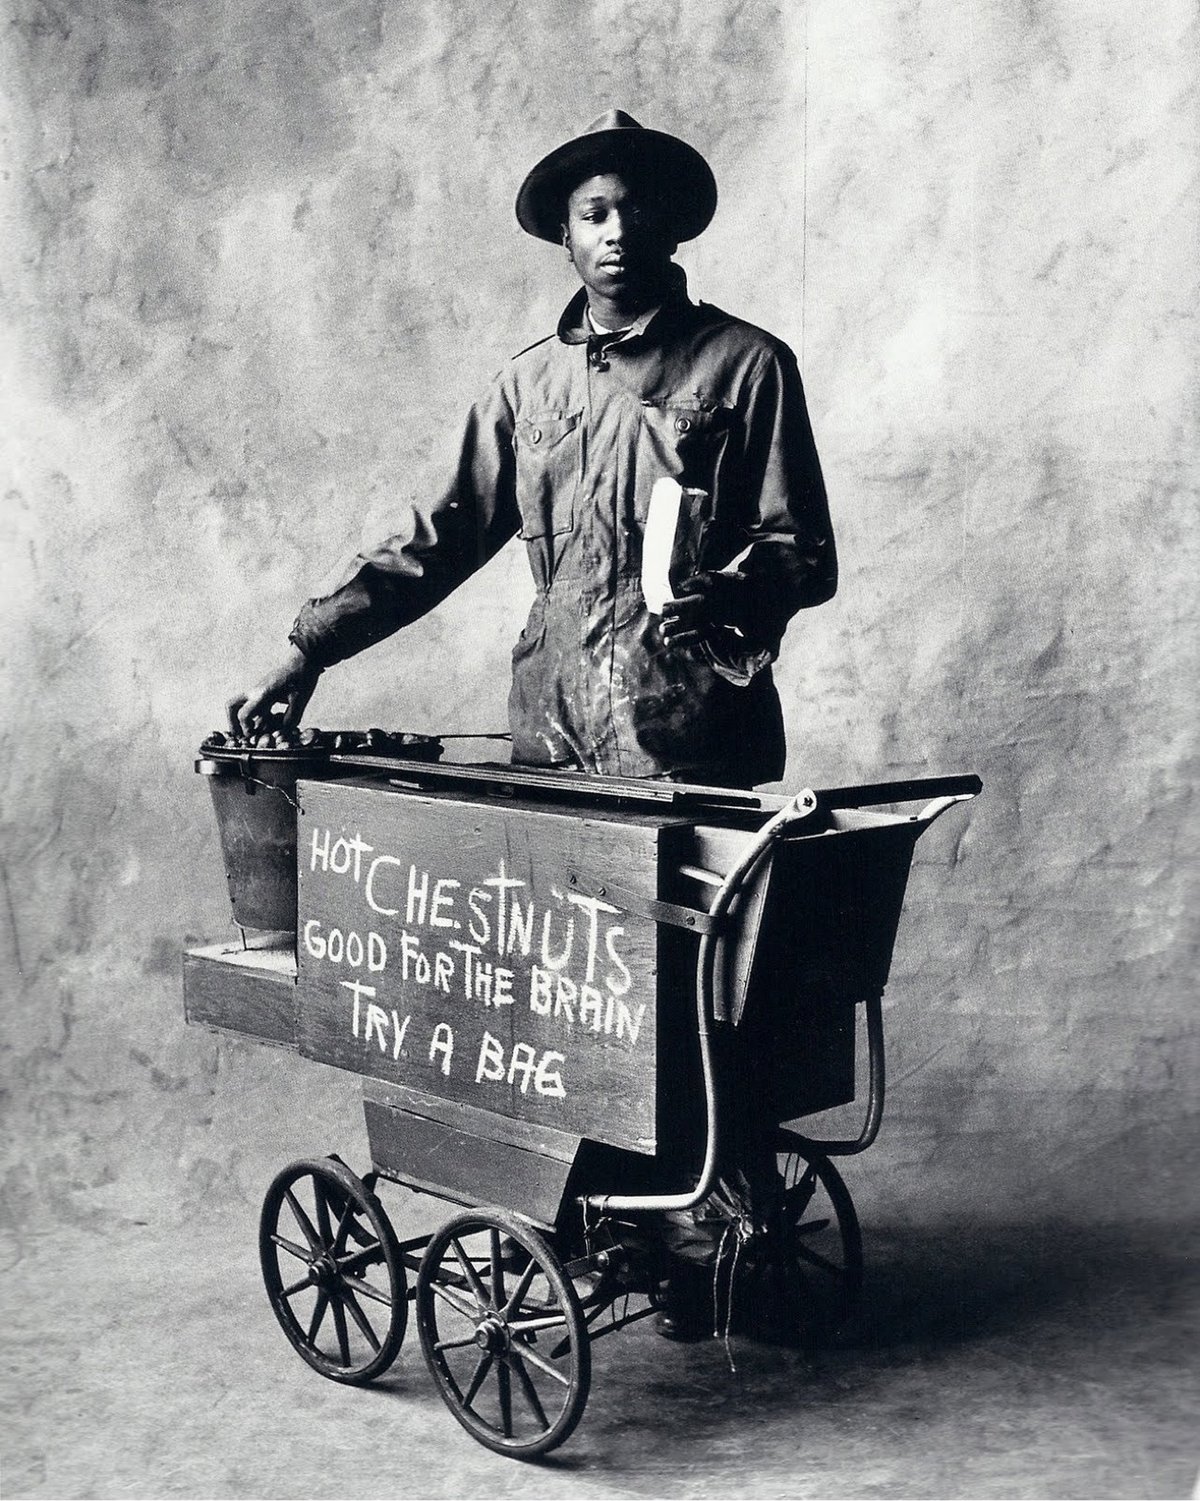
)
(802, 806)
(790, 1140)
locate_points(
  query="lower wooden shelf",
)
(249, 990)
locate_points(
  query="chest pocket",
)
(548, 468)
(685, 440)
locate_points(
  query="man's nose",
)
(619, 225)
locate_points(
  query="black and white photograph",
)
(599, 744)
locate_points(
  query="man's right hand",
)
(278, 701)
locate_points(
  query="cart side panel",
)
(467, 1166)
(440, 947)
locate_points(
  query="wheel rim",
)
(815, 1260)
(333, 1271)
(503, 1333)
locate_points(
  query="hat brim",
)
(678, 172)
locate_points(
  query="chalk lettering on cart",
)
(340, 856)
(560, 997)
(442, 1043)
(483, 981)
(376, 1020)
(479, 925)
(575, 933)
(482, 944)
(421, 909)
(345, 947)
(524, 1064)
(369, 888)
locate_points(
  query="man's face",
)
(618, 238)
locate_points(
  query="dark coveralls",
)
(564, 449)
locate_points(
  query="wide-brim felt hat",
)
(681, 176)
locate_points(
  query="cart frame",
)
(509, 1299)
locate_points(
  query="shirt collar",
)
(574, 328)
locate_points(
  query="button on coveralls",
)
(564, 450)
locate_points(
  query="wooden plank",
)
(250, 991)
(545, 782)
(464, 1167)
(533, 1136)
(441, 948)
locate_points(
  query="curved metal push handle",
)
(939, 805)
(871, 794)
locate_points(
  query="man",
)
(637, 384)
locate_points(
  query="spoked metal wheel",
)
(333, 1270)
(811, 1279)
(503, 1333)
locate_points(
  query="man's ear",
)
(566, 243)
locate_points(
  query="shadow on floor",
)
(1086, 1329)
(962, 1284)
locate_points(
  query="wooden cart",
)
(589, 1012)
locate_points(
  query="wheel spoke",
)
(321, 1194)
(296, 1287)
(357, 1261)
(497, 1272)
(290, 1247)
(522, 1287)
(534, 1326)
(814, 1258)
(504, 1383)
(810, 1227)
(527, 1353)
(318, 1315)
(343, 1335)
(455, 1344)
(365, 1290)
(345, 1220)
(451, 1296)
(481, 1370)
(526, 1384)
(302, 1219)
(351, 1305)
(470, 1274)
(796, 1198)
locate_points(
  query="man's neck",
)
(616, 314)
(602, 328)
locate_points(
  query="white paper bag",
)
(658, 543)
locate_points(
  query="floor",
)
(1025, 1362)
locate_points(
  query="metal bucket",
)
(255, 804)
(254, 796)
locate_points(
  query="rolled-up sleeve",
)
(439, 543)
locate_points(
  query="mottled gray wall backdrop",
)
(259, 254)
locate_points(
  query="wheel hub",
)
(491, 1334)
(324, 1270)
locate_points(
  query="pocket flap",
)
(541, 433)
